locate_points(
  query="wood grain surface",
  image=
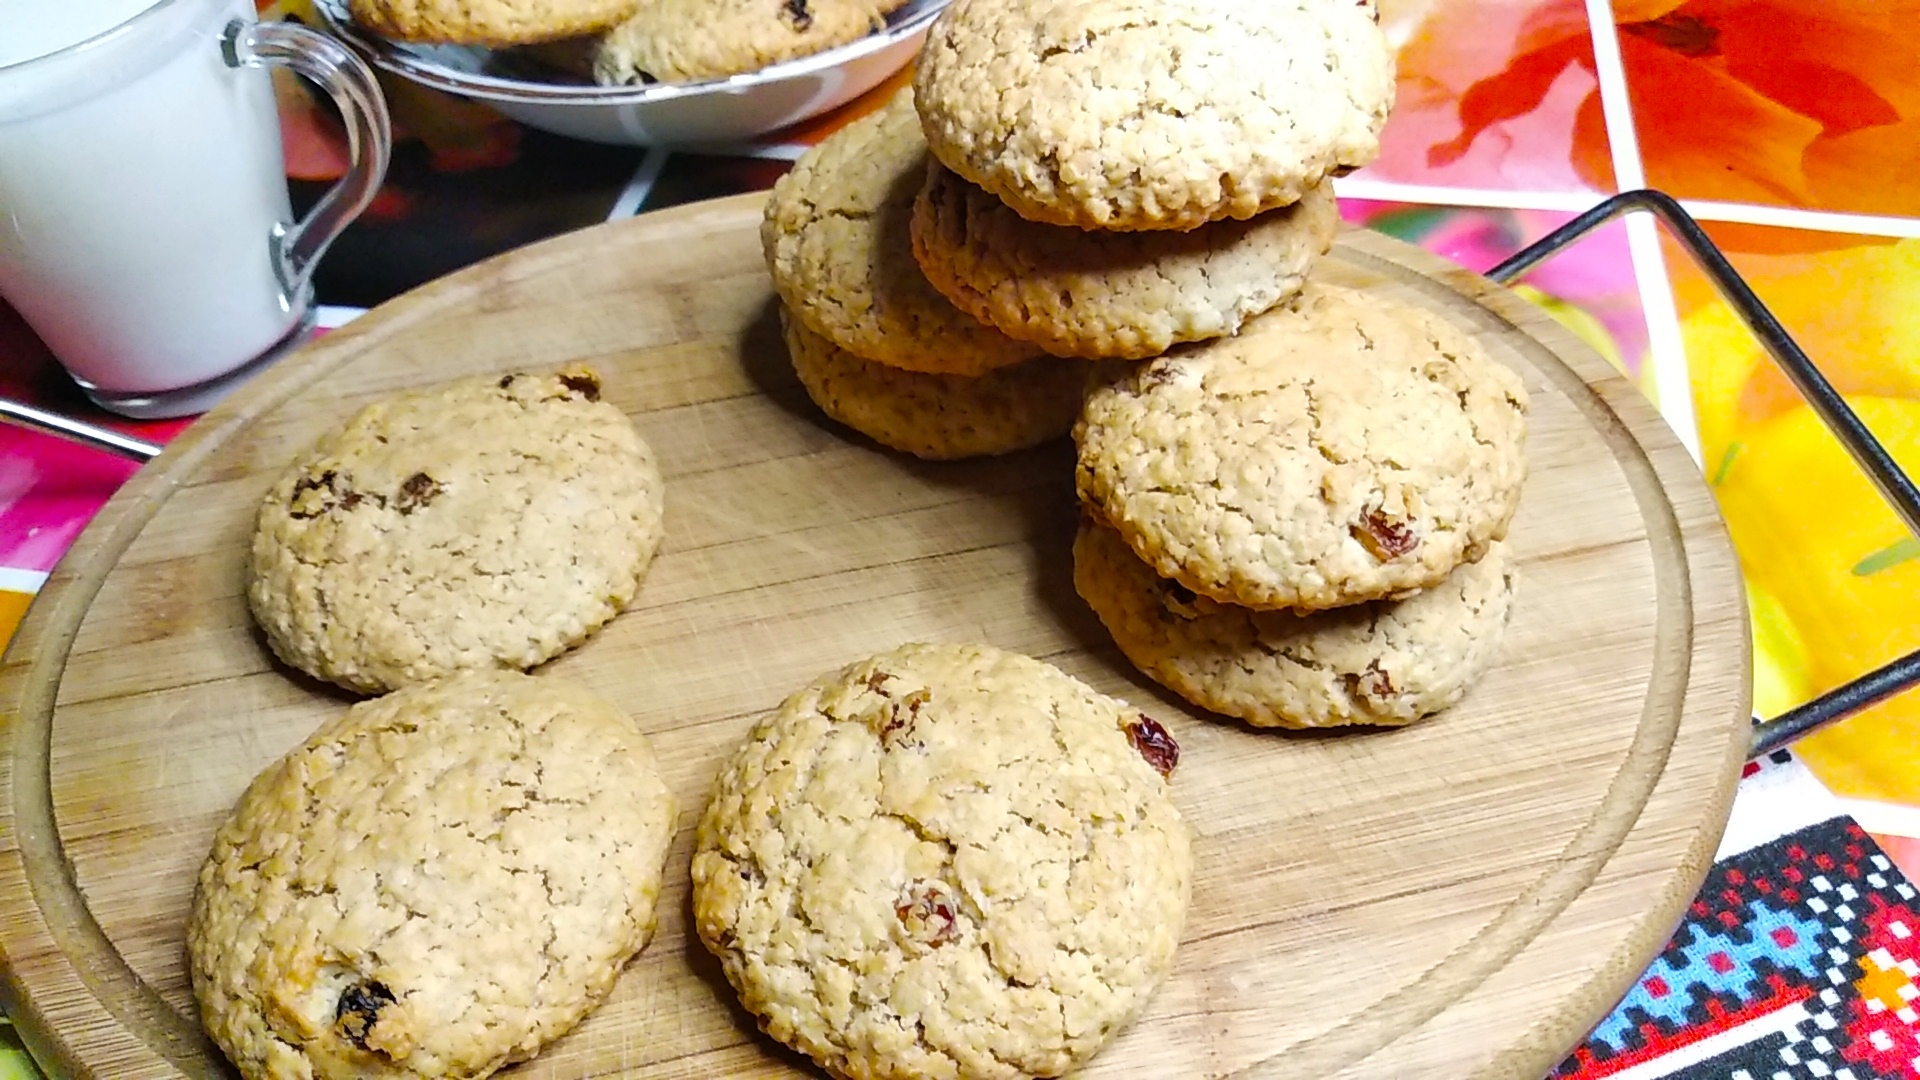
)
(1462, 898)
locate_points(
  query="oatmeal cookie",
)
(1348, 447)
(1112, 295)
(1388, 662)
(945, 860)
(673, 41)
(837, 240)
(488, 522)
(938, 416)
(437, 883)
(495, 23)
(1153, 114)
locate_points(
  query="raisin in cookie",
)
(945, 860)
(1153, 114)
(837, 240)
(1388, 662)
(1348, 447)
(437, 883)
(497, 23)
(1112, 295)
(938, 416)
(488, 522)
(685, 40)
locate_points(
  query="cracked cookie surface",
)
(1112, 295)
(489, 22)
(489, 522)
(945, 861)
(1344, 448)
(938, 416)
(1388, 662)
(837, 242)
(1153, 114)
(437, 883)
(686, 40)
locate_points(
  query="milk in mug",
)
(141, 192)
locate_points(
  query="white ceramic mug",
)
(145, 229)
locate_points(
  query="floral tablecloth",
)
(1792, 129)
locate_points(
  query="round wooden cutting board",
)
(1462, 898)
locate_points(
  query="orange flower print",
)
(1769, 101)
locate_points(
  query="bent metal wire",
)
(1872, 458)
(1894, 485)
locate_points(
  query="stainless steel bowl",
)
(679, 114)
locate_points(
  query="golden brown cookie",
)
(1112, 295)
(837, 238)
(437, 883)
(674, 41)
(938, 416)
(945, 861)
(1153, 114)
(1347, 447)
(1387, 662)
(496, 23)
(402, 547)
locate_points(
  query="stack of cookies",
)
(1112, 178)
(1087, 180)
(1295, 509)
(874, 345)
(1303, 526)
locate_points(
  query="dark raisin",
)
(1383, 537)
(417, 491)
(585, 385)
(1154, 744)
(1373, 683)
(359, 1009)
(507, 380)
(797, 11)
(901, 715)
(313, 483)
(308, 485)
(351, 499)
(926, 911)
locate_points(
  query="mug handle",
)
(351, 85)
